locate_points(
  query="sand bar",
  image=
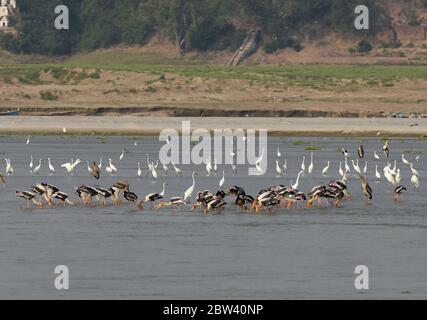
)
(132, 125)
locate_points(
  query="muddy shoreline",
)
(193, 111)
(281, 126)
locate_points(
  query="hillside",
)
(312, 75)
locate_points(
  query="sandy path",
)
(130, 125)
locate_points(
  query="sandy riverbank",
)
(130, 125)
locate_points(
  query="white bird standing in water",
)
(122, 154)
(356, 166)
(285, 165)
(38, 167)
(376, 156)
(303, 164)
(296, 184)
(9, 168)
(139, 172)
(177, 170)
(365, 169)
(28, 140)
(278, 152)
(347, 167)
(340, 170)
(209, 168)
(189, 192)
(154, 172)
(405, 161)
(311, 166)
(389, 176)
(31, 164)
(377, 173)
(222, 181)
(326, 169)
(413, 170)
(398, 177)
(415, 182)
(278, 169)
(165, 168)
(111, 168)
(70, 166)
(51, 167)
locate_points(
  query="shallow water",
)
(124, 253)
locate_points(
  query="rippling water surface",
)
(124, 253)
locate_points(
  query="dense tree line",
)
(191, 24)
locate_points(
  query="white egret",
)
(139, 172)
(189, 192)
(38, 167)
(311, 166)
(278, 169)
(296, 184)
(326, 169)
(51, 167)
(222, 181)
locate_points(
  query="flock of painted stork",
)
(277, 196)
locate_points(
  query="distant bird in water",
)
(326, 169)
(9, 168)
(303, 164)
(278, 169)
(70, 166)
(344, 152)
(111, 168)
(366, 188)
(38, 167)
(376, 156)
(405, 161)
(377, 173)
(361, 152)
(30, 197)
(122, 154)
(28, 140)
(139, 171)
(398, 193)
(31, 164)
(311, 166)
(415, 182)
(222, 181)
(386, 149)
(51, 167)
(177, 170)
(94, 170)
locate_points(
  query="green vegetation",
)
(191, 24)
(337, 77)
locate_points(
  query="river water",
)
(124, 253)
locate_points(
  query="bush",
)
(277, 44)
(364, 46)
(391, 45)
(412, 18)
(47, 95)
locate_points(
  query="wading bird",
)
(386, 149)
(30, 197)
(326, 169)
(51, 167)
(398, 193)
(366, 188)
(361, 152)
